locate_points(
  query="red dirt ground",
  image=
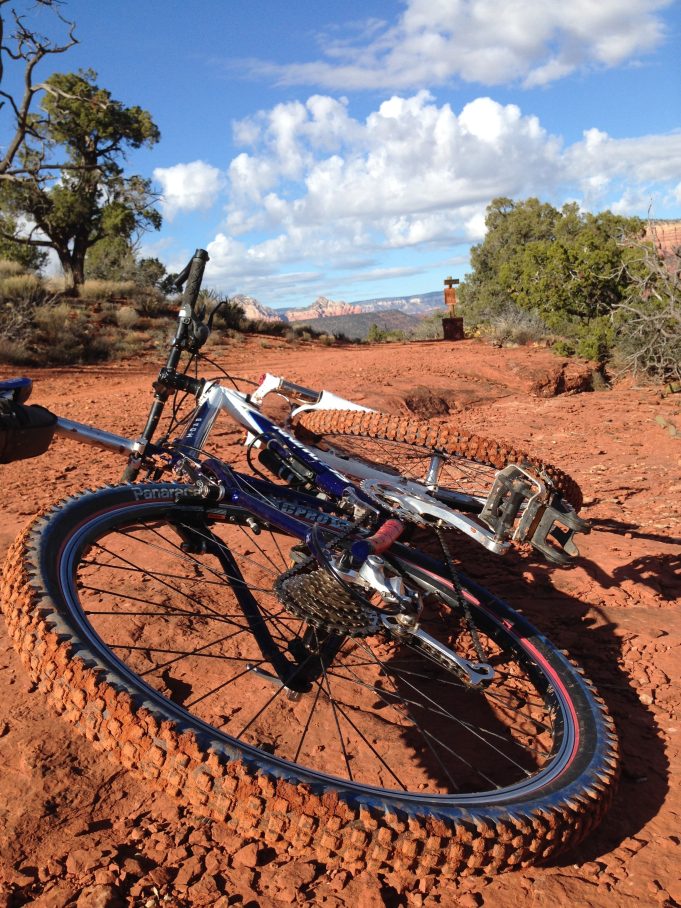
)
(77, 830)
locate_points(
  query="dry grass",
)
(108, 290)
(24, 287)
(127, 317)
(10, 269)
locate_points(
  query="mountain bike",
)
(292, 650)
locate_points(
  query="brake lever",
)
(198, 333)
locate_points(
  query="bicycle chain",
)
(468, 617)
(311, 593)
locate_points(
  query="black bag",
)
(24, 431)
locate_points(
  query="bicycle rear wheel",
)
(138, 626)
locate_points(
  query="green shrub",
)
(230, 315)
(376, 335)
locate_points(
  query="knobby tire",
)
(294, 810)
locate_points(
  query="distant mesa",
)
(256, 311)
(326, 308)
(323, 308)
(666, 237)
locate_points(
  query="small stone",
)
(189, 871)
(247, 856)
(205, 891)
(99, 897)
(83, 859)
(470, 900)
(104, 877)
(160, 876)
(133, 866)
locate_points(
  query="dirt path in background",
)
(77, 830)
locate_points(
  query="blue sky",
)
(349, 150)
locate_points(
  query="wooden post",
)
(452, 325)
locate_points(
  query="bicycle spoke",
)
(376, 711)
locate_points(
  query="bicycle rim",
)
(380, 718)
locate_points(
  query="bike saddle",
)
(16, 389)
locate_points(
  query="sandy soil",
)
(77, 830)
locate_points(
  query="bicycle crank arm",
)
(475, 674)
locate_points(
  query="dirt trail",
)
(77, 830)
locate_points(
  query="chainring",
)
(392, 498)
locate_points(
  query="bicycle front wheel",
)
(145, 619)
(406, 446)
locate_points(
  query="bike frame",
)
(332, 474)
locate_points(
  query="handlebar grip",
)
(193, 285)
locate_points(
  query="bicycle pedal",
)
(554, 532)
(514, 490)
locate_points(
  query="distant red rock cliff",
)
(666, 235)
(323, 308)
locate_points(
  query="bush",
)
(430, 327)
(127, 317)
(515, 326)
(16, 353)
(10, 269)
(647, 323)
(150, 302)
(66, 334)
(21, 287)
(230, 315)
(108, 290)
(376, 335)
(20, 295)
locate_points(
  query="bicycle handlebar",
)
(194, 275)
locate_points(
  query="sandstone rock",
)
(247, 856)
(99, 897)
(566, 376)
(190, 870)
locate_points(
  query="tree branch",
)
(32, 49)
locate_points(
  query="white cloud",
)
(322, 188)
(485, 41)
(188, 187)
(600, 163)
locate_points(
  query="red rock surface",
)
(78, 830)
